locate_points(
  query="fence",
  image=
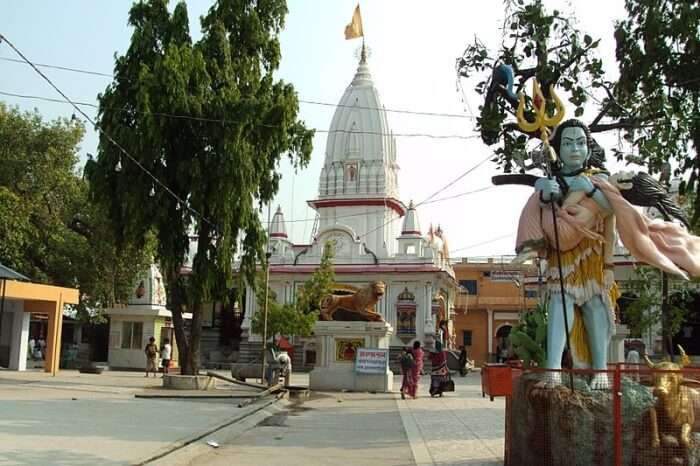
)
(646, 417)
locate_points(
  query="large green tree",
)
(49, 230)
(209, 121)
(658, 51)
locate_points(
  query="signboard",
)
(371, 361)
(505, 275)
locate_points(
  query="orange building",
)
(491, 296)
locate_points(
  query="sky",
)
(413, 47)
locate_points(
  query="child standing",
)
(165, 353)
(151, 351)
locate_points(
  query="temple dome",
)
(360, 157)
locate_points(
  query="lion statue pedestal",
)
(336, 344)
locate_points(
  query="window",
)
(468, 286)
(132, 335)
(531, 294)
(467, 337)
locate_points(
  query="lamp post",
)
(267, 294)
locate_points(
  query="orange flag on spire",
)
(354, 29)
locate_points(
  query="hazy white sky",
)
(414, 46)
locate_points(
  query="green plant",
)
(529, 337)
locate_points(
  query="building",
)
(19, 300)
(492, 294)
(145, 315)
(357, 210)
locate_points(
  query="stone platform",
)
(335, 366)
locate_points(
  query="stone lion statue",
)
(359, 306)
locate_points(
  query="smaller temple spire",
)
(411, 226)
(277, 227)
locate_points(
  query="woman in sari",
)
(413, 377)
(439, 373)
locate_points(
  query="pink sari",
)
(412, 378)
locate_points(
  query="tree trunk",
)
(176, 303)
(195, 338)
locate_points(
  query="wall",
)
(130, 358)
(475, 320)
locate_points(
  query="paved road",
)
(462, 428)
(84, 419)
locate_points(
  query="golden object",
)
(542, 121)
(674, 409)
(359, 306)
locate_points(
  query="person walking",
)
(151, 351)
(407, 363)
(463, 359)
(439, 374)
(165, 355)
(413, 379)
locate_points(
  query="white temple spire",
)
(277, 226)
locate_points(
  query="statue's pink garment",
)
(661, 244)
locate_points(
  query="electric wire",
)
(110, 138)
(220, 120)
(310, 102)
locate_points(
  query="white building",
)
(145, 315)
(358, 208)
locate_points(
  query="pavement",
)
(80, 419)
(461, 428)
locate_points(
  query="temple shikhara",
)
(358, 208)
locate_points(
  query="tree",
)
(643, 302)
(319, 285)
(297, 318)
(658, 49)
(208, 121)
(536, 44)
(282, 319)
(49, 230)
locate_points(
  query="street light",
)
(267, 293)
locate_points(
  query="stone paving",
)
(95, 419)
(459, 428)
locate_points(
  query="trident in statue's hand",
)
(543, 122)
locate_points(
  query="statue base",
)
(556, 426)
(336, 342)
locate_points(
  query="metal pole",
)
(2, 303)
(267, 292)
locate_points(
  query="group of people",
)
(37, 348)
(151, 350)
(411, 361)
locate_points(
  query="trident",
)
(542, 123)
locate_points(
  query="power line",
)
(468, 171)
(219, 120)
(465, 173)
(110, 138)
(310, 102)
(363, 214)
(57, 67)
(493, 240)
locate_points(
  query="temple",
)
(359, 209)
